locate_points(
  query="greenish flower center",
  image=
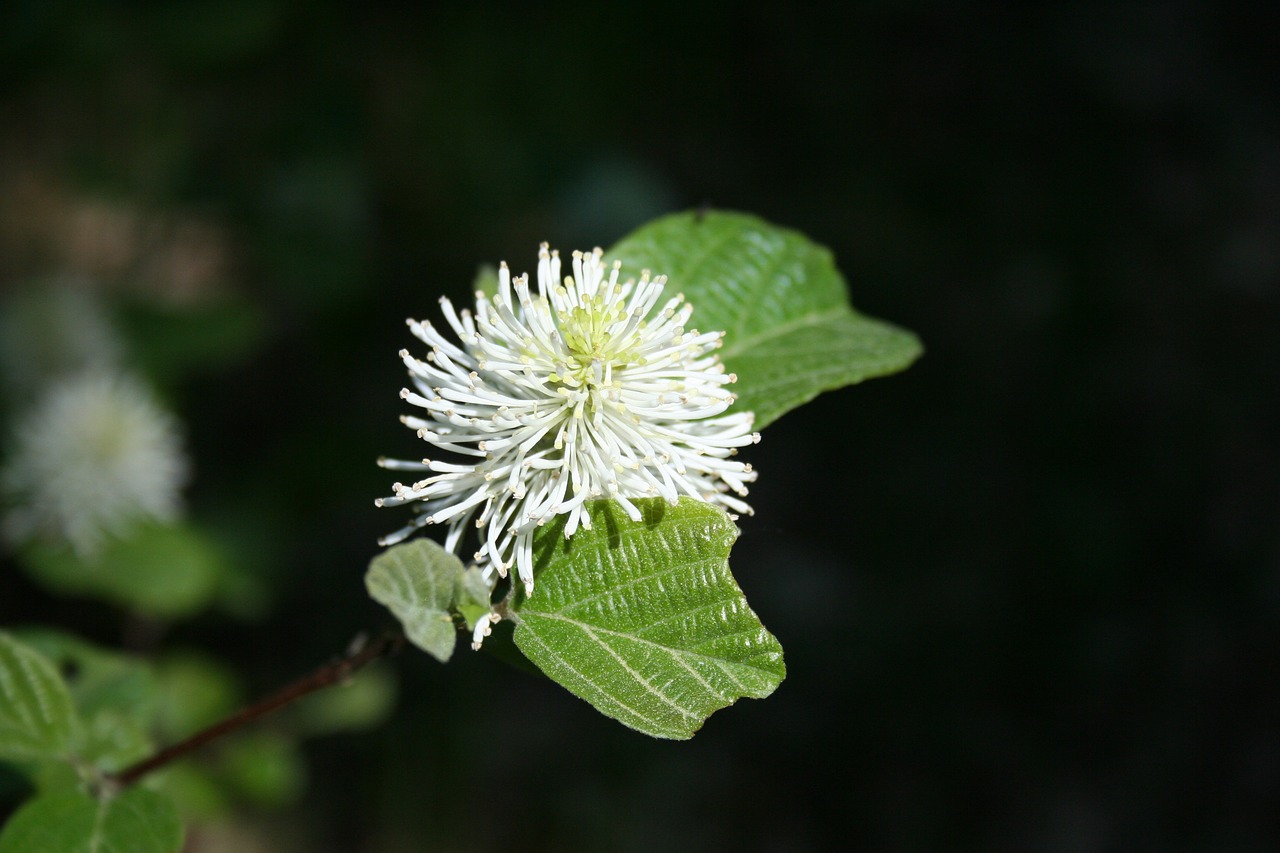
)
(587, 331)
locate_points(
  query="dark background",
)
(1028, 589)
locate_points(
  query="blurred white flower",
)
(578, 392)
(96, 454)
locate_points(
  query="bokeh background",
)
(1028, 589)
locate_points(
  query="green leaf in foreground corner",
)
(643, 619)
(417, 581)
(137, 821)
(790, 331)
(37, 719)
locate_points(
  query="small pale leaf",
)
(416, 582)
(643, 619)
(136, 821)
(37, 718)
(790, 331)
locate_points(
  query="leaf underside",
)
(643, 619)
(418, 582)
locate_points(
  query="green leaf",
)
(195, 792)
(263, 767)
(790, 331)
(417, 581)
(486, 280)
(112, 739)
(37, 718)
(357, 704)
(99, 678)
(471, 598)
(194, 691)
(643, 619)
(116, 696)
(136, 821)
(167, 570)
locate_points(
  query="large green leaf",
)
(418, 582)
(37, 718)
(136, 821)
(790, 331)
(643, 619)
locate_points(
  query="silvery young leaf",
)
(417, 581)
(136, 821)
(37, 718)
(643, 619)
(790, 331)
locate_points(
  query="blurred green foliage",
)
(165, 570)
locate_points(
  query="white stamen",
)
(484, 627)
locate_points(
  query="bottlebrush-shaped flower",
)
(579, 391)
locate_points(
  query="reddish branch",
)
(333, 673)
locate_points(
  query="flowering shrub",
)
(584, 455)
(596, 438)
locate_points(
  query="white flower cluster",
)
(550, 399)
(96, 454)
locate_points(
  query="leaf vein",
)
(608, 697)
(720, 602)
(643, 641)
(634, 673)
(606, 566)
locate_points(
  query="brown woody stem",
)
(340, 670)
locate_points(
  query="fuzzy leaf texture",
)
(643, 619)
(37, 718)
(136, 821)
(420, 582)
(791, 333)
